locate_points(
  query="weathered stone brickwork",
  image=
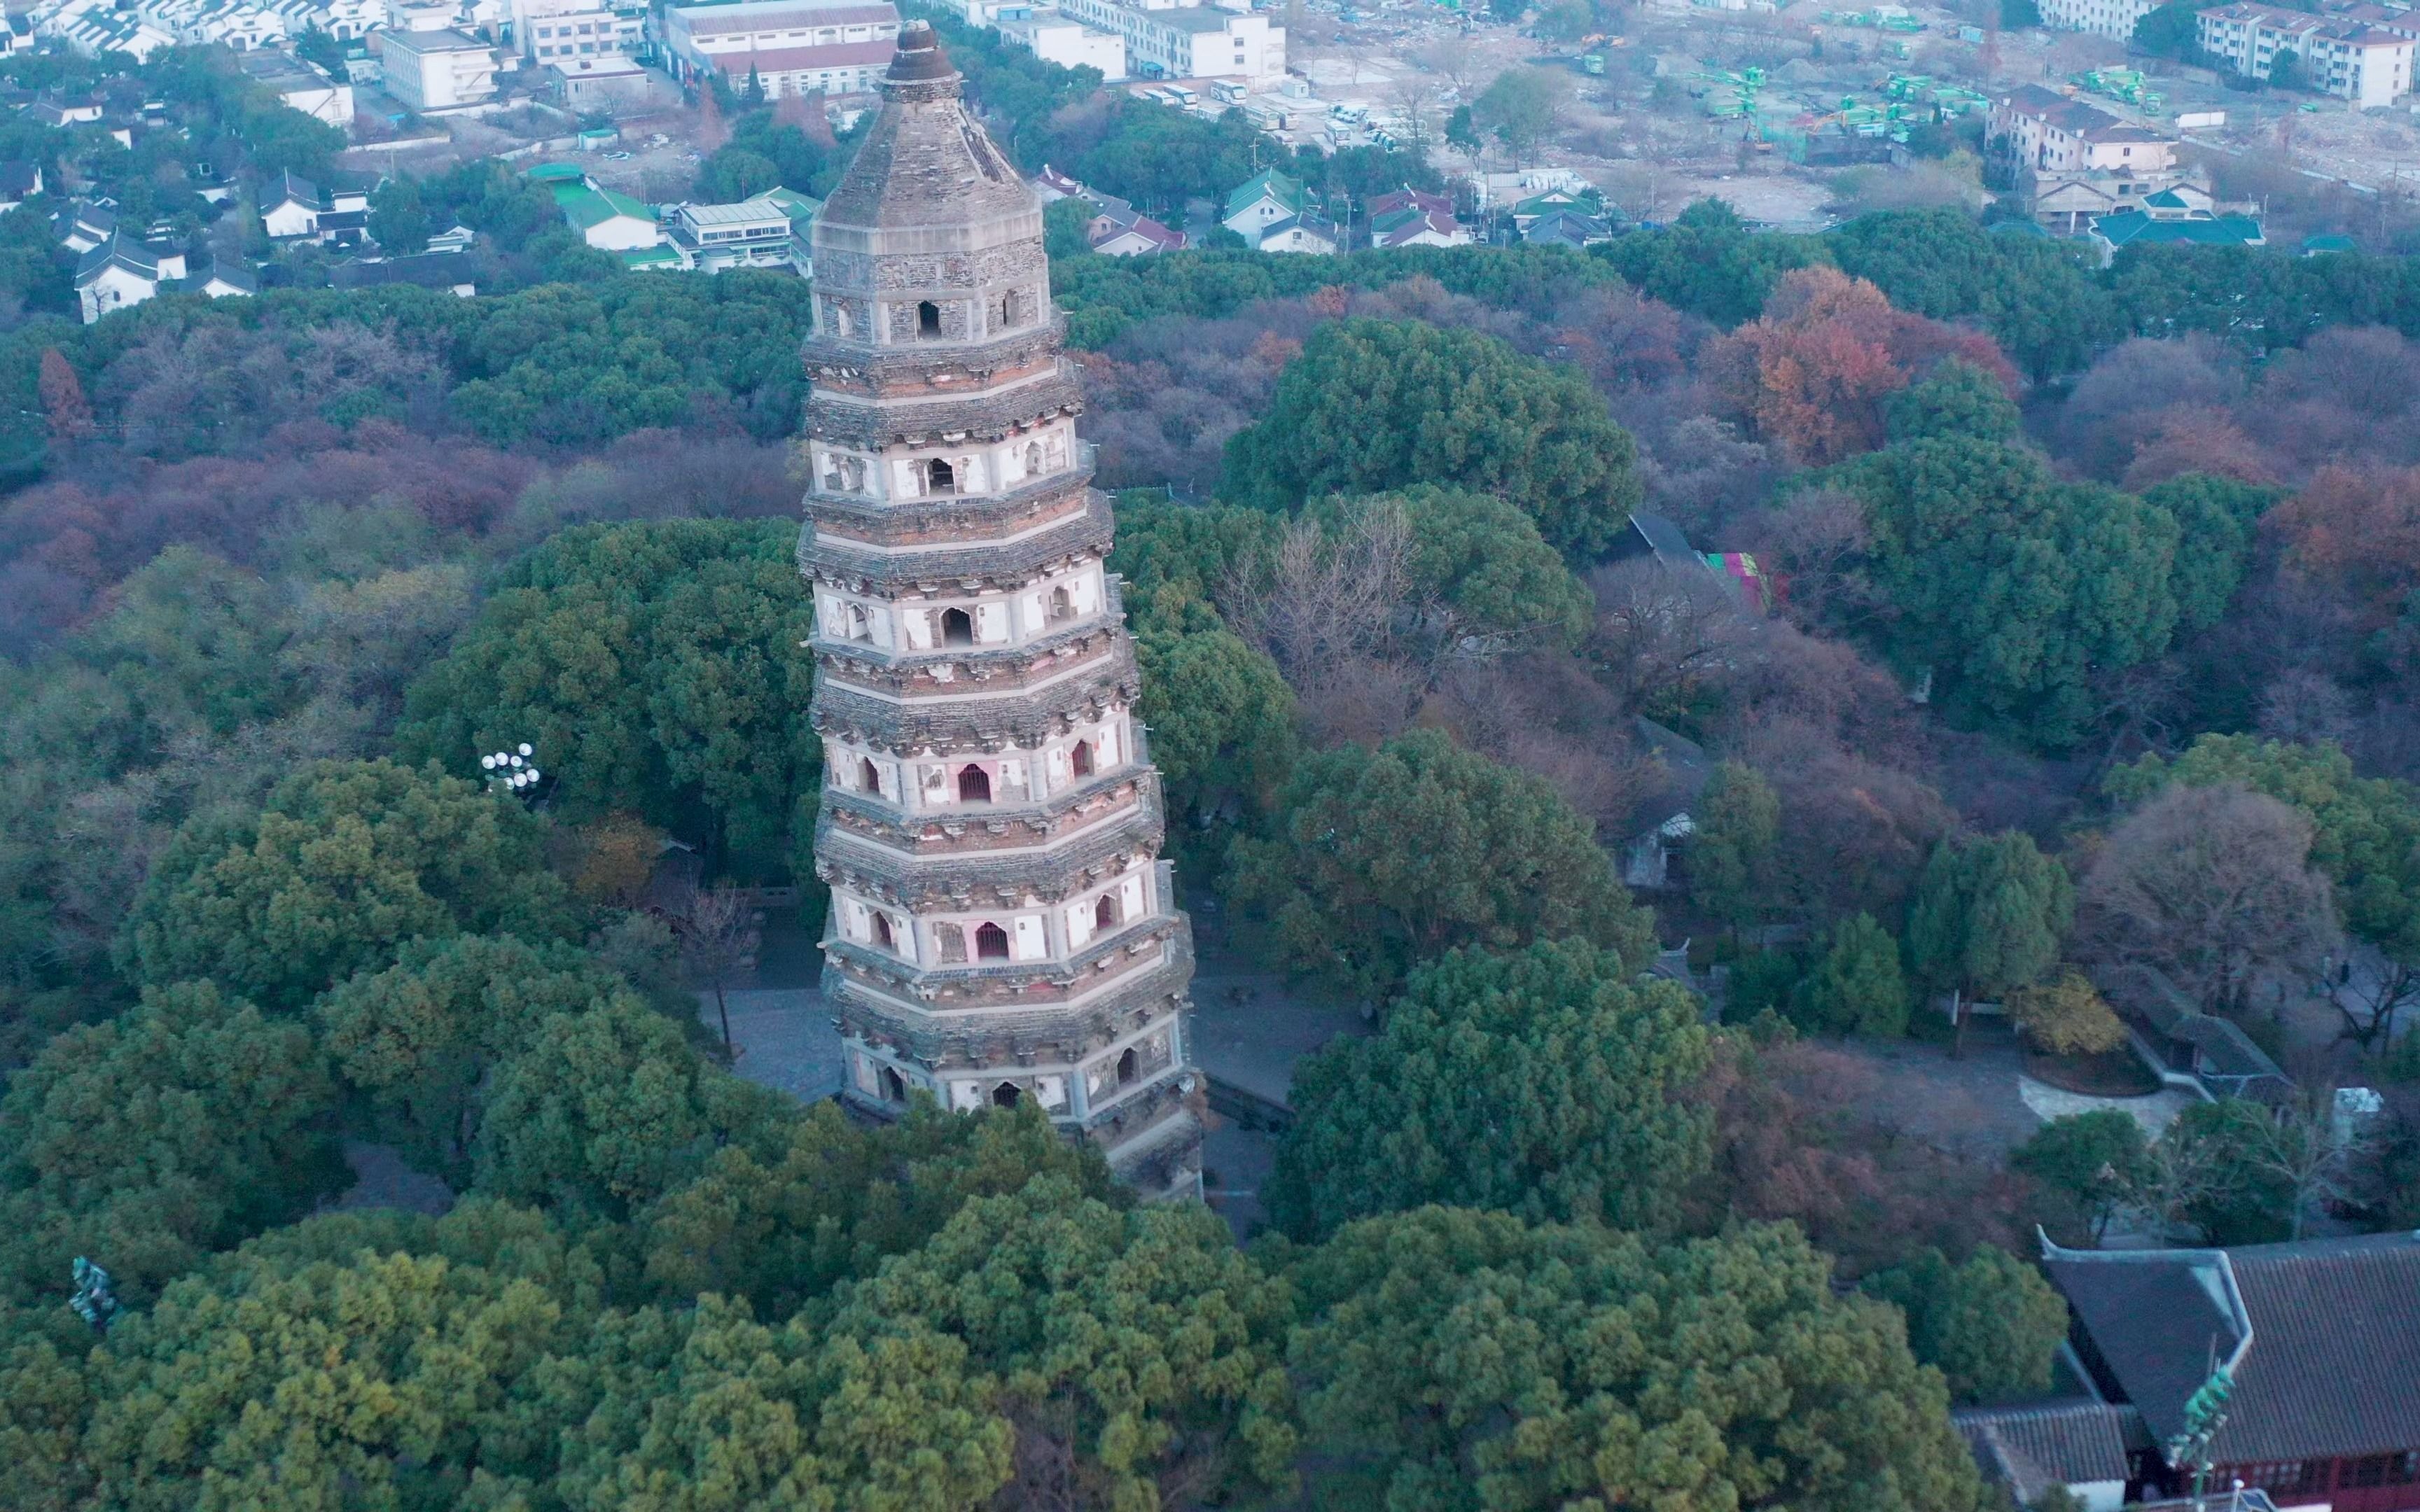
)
(1001, 928)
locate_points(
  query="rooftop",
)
(1287, 192)
(447, 40)
(788, 60)
(763, 15)
(746, 212)
(2328, 1331)
(2030, 1449)
(1191, 18)
(591, 207)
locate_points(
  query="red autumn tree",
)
(2355, 534)
(63, 402)
(1812, 371)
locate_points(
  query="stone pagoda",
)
(1002, 926)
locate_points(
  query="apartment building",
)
(2344, 55)
(793, 47)
(437, 70)
(1071, 45)
(2048, 132)
(550, 31)
(2103, 17)
(1186, 41)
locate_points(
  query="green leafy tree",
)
(781, 1228)
(1731, 855)
(2171, 31)
(1522, 107)
(577, 366)
(734, 174)
(1540, 1082)
(1220, 715)
(656, 667)
(2216, 521)
(1858, 988)
(194, 644)
(1992, 1325)
(2039, 299)
(1956, 398)
(1709, 263)
(422, 1037)
(1470, 1360)
(2019, 14)
(1480, 578)
(1135, 1350)
(1173, 555)
(2218, 1176)
(399, 218)
(2093, 1162)
(1566, 20)
(707, 1410)
(1388, 857)
(2285, 70)
(345, 862)
(1989, 916)
(608, 1108)
(302, 1373)
(2014, 588)
(183, 1125)
(1462, 131)
(1373, 404)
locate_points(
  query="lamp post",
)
(512, 772)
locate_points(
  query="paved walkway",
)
(782, 1037)
(2154, 1112)
(1251, 1028)
(1968, 1105)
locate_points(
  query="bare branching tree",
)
(2212, 887)
(2303, 1147)
(1322, 599)
(1660, 632)
(2177, 1176)
(715, 930)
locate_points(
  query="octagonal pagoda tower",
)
(1002, 926)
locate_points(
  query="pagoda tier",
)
(1002, 926)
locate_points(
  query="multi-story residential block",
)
(552, 30)
(2345, 54)
(2105, 17)
(437, 70)
(1172, 41)
(2043, 131)
(793, 47)
(1057, 38)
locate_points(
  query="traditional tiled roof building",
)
(1001, 926)
(2321, 1342)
